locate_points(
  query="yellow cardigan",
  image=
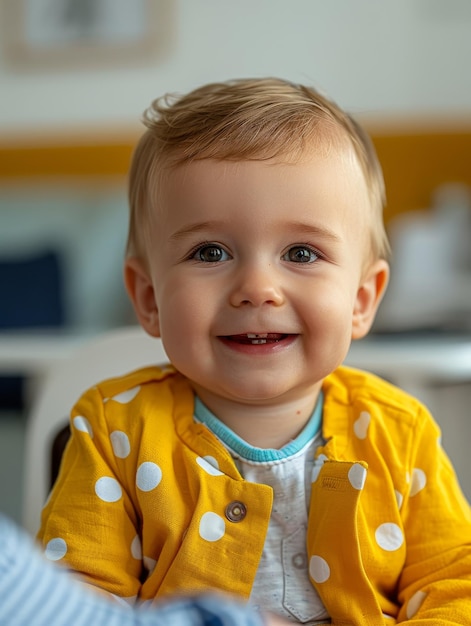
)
(148, 502)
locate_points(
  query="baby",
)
(256, 463)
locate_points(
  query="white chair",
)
(111, 354)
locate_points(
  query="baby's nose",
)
(256, 286)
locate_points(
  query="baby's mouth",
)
(256, 339)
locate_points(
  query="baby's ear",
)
(368, 298)
(141, 292)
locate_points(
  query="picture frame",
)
(58, 33)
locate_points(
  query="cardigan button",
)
(235, 511)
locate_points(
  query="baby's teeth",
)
(257, 336)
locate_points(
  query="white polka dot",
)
(212, 527)
(319, 569)
(149, 564)
(126, 396)
(148, 476)
(357, 476)
(389, 537)
(83, 425)
(415, 603)
(316, 469)
(399, 498)
(136, 548)
(360, 427)
(108, 489)
(56, 549)
(210, 465)
(419, 480)
(120, 444)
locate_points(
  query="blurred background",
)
(75, 77)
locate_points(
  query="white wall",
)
(383, 57)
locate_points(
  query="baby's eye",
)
(301, 254)
(210, 253)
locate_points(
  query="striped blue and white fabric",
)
(34, 592)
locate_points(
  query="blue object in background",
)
(31, 297)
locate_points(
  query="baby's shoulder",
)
(362, 390)
(151, 379)
(140, 391)
(147, 398)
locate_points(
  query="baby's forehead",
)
(340, 156)
(202, 182)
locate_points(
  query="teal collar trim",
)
(260, 455)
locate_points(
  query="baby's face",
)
(257, 274)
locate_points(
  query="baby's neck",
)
(263, 425)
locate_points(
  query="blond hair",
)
(247, 119)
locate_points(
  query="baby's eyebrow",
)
(313, 229)
(193, 229)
